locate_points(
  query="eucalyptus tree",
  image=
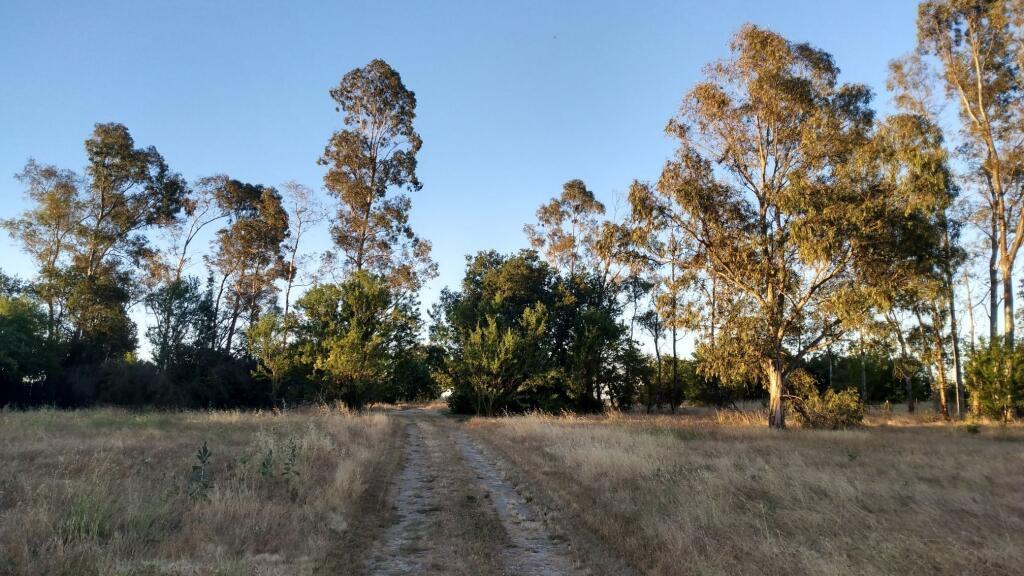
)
(176, 302)
(370, 163)
(304, 212)
(766, 193)
(248, 253)
(978, 47)
(47, 232)
(129, 189)
(658, 249)
(568, 228)
(87, 234)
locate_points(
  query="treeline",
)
(123, 234)
(818, 255)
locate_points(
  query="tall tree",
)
(248, 253)
(174, 299)
(765, 192)
(369, 163)
(88, 235)
(47, 231)
(304, 212)
(977, 44)
(658, 248)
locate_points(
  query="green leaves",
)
(200, 481)
(353, 334)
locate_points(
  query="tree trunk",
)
(830, 367)
(940, 366)
(970, 312)
(776, 411)
(863, 372)
(958, 380)
(235, 310)
(675, 318)
(993, 284)
(658, 386)
(908, 381)
(675, 370)
(1007, 273)
(940, 371)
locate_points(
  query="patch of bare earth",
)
(452, 509)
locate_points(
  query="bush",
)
(831, 409)
(995, 380)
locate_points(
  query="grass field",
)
(321, 491)
(699, 494)
(114, 492)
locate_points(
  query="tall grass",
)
(709, 493)
(107, 491)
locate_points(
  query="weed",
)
(267, 464)
(199, 482)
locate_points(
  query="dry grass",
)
(710, 493)
(107, 491)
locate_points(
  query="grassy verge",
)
(115, 492)
(704, 495)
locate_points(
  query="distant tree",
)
(368, 163)
(248, 254)
(481, 324)
(190, 324)
(174, 319)
(48, 232)
(267, 343)
(567, 228)
(995, 375)
(652, 392)
(498, 363)
(304, 212)
(659, 249)
(582, 356)
(352, 335)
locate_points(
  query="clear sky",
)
(514, 98)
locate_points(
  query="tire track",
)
(535, 550)
(454, 511)
(402, 549)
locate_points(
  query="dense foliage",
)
(521, 336)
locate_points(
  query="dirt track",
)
(453, 510)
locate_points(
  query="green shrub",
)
(831, 409)
(995, 380)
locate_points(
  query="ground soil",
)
(450, 505)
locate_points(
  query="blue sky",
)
(514, 98)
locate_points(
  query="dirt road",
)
(452, 509)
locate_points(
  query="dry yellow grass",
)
(107, 491)
(706, 493)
